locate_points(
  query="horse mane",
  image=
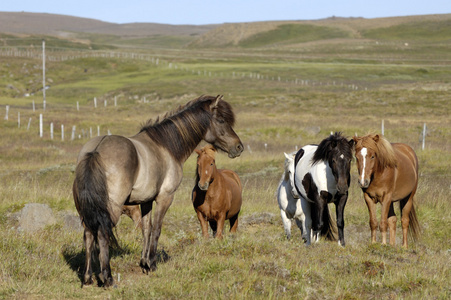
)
(209, 150)
(181, 130)
(385, 154)
(328, 145)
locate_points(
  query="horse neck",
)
(178, 139)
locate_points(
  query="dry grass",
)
(257, 262)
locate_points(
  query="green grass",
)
(432, 31)
(257, 262)
(292, 33)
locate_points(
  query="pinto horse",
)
(113, 171)
(388, 173)
(322, 175)
(290, 204)
(216, 195)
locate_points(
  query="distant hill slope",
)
(52, 24)
(436, 28)
(258, 34)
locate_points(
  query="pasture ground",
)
(272, 116)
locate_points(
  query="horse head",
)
(289, 173)
(337, 151)
(221, 133)
(206, 167)
(373, 153)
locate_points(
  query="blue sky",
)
(197, 12)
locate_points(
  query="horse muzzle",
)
(204, 186)
(236, 151)
(364, 184)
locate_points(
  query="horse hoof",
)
(146, 266)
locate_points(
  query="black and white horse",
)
(322, 176)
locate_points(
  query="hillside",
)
(436, 28)
(60, 25)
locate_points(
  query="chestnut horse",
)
(388, 173)
(147, 168)
(216, 195)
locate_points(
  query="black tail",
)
(91, 196)
(329, 230)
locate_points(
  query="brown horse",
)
(114, 171)
(216, 195)
(388, 173)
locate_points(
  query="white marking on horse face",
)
(342, 156)
(363, 152)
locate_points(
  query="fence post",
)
(382, 129)
(29, 123)
(73, 133)
(51, 131)
(424, 136)
(7, 112)
(62, 132)
(41, 133)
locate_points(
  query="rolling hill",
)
(243, 35)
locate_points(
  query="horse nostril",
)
(240, 147)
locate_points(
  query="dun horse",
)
(388, 173)
(216, 195)
(291, 205)
(146, 169)
(322, 175)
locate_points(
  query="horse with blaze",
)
(388, 173)
(216, 195)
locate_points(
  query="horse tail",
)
(414, 225)
(329, 230)
(91, 197)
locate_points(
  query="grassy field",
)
(283, 98)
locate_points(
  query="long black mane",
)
(182, 130)
(335, 144)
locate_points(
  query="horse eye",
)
(372, 157)
(221, 121)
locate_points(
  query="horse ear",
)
(198, 151)
(286, 155)
(376, 138)
(352, 142)
(215, 102)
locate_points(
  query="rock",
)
(35, 216)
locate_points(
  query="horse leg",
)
(372, 212)
(321, 203)
(105, 270)
(286, 223)
(386, 203)
(234, 223)
(146, 222)
(213, 226)
(392, 224)
(221, 221)
(161, 207)
(307, 222)
(88, 239)
(340, 207)
(406, 207)
(203, 223)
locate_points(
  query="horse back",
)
(406, 172)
